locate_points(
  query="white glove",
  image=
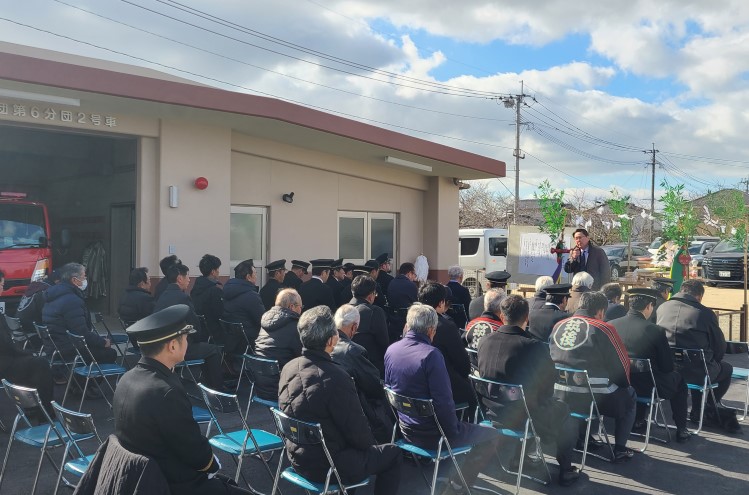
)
(214, 473)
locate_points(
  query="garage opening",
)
(67, 196)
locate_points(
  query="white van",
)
(481, 251)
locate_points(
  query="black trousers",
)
(554, 424)
(620, 405)
(722, 378)
(33, 372)
(670, 386)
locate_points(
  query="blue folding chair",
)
(56, 358)
(737, 353)
(491, 394)
(303, 433)
(76, 426)
(694, 359)
(653, 401)
(45, 437)
(117, 339)
(256, 366)
(240, 443)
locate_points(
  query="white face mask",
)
(84, 284)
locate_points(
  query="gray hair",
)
(315, 327)
(70, 270)
(583, 278)
(346, 316)
(543, 281)
(454, 272)
(286, 298)
(492, 300)
(420, 318)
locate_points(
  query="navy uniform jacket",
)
(646, 340)
(614, 311)
(337, 287)
(384, 279)
(315, 293)
(291, 280)
(153, 417)
(269, 292)
(541, 321)
(402, 293)
(373, 331)
(537, 301)
(173, 295)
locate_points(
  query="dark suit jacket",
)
(541, 321)
(461, 295)
(597, 264)
(315, 293)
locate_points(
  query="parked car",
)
(724, 264)
(698, 250)
(621, 263)
(698, 239)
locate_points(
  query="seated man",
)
(665, 287)
(461, 295)
(373, 329)
(415, 368)
(278, 339)
(494, 280)
(153, 414)
(402, 292)
(174, 294)
(646, 340)
(30, 307)
(539, 297)
(164, 265)
(512, 355)
(691, 325)
(585, 341)
(542, 320)
(447, 340)
(489, 321)
(313, 388)
(242, 304)
(21, 367)
(353, 358)
(207, 296)
(613, 292)
(137, 302)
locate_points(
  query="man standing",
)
(584, 341)
(383, 277)
(293, 278)
(415, 368)
(512, 355)
(646, 340)
(314, 291)
(313, 388)
(461, 295)
(691, 325)
(276, 273)
(494, 280)
(153, 414)
(542, 320)
(335, 284)
(587, 257)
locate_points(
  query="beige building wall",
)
(440, 232)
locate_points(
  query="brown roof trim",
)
(80, 78)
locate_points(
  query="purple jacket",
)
(414, 368)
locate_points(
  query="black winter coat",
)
(313, 388)
(31, 305)
(208, 298)
(65, 310)
(278, 339)
(242, 304)
(402, 293)
(173, 295)
(541, 321)
(269, 292)
(447, 340)
(316, 293)
(135, 304)
(373, 332)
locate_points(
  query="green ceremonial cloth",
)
(677, 271)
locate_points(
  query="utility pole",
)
(652, 189)
(510, 102)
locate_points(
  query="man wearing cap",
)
(489, 321)
(293, 278)
(348, 276)
(496, 280)
(664, 286)
(276, 273)
(373, 267)
(153, 414)
(314, 291)
(383, 277)
(542, 320)
(587, 257)
(334, 282)
(584, 341)
(512, 355)
(646, 340)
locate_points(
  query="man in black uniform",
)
(646, 340)
(664, 286)
(314, 291)
(494, 280)
(276, 273)
(136, 302)
(153, 414)
(461, 296)
(512, 355)
(293, 278)
(334, 282)
(542, 320)
(372, 269)
(207, 295)
(348, 276)
(383, 277)
(373, 328)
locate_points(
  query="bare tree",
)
(481, 207)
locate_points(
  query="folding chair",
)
(490, 391)
(92, 370)
(737, 353)
(473, 356)
(44, 437)
(238, 443)
(424, 408)
(693, 359)
(258, 366)
(573, 381)
(55, 358)
(117, 339)
(76, 426)
(653, 402)
(236, 328)
(19, 335)
(303, 433)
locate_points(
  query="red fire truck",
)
(25, 246)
